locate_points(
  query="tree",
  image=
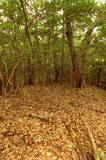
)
(72, 19)
(46, 35)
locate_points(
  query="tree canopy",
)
(44, 41)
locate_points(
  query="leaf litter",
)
(43, 123)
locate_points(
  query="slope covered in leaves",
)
(43, 123)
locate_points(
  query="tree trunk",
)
(78, 69)
(76, 80)
(84, 51)
(62, 52)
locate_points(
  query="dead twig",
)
(9, 79)
(91, 139)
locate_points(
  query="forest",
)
(52, 79)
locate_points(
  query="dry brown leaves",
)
(25, 136)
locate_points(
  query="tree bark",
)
(84, 51)
(76, 82)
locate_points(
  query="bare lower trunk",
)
(76, 77)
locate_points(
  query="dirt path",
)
(38, 124)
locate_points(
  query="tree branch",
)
(26, 23)
(87, 38)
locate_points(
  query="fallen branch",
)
(94, 148)
(78, 148)
(44, 118)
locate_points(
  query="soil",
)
(45, 123)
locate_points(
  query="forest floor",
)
(44, 123)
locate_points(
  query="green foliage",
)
(46, 27)
(101, 155)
